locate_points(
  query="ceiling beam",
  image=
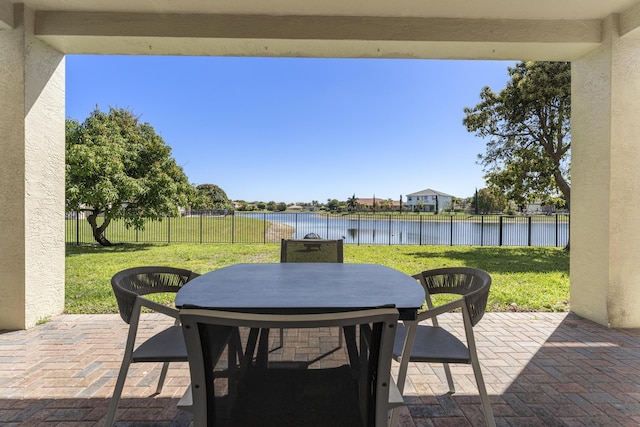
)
(629, 20)
(314, 27)
(338, 36)
(6, 15)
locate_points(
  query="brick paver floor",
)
(541, 369)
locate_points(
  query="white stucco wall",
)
(12, 244)
(624, 243)
(605, 232)
(31, 175)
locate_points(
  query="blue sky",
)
(300, 129)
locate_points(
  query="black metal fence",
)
(382, 229)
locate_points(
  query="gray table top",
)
(303, 287)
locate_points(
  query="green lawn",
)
(534, 278)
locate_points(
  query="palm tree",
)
(352, 203)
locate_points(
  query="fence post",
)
(327, 226)
(529, 229)
(78, 228)
(451, 223)
(481, 230)
(233, 229)
(420, 230)
(556, 230)
(264, 228)
(389, 229)
(500, 231)
(168, 229)
(201, 237)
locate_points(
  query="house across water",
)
(429, 201)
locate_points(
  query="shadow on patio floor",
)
(541, 369)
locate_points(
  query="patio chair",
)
(416, 342)
(291, 393)
(129, 286)
(311, 250)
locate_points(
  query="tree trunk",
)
(98, 231)
(565, 189)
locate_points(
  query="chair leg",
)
(117, 392)
(412, 327)
(447, 373)
(482, 390)
(395, 417)
(405, 357)
(402, 375)
(163, 375)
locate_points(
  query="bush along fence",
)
(382, 229)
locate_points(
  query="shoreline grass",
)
(524, 278)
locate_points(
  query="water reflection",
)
(428, 230)
(353, 233)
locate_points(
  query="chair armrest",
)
(441, 309)
(160, 308)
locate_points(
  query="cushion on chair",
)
(167, 345)
(432, 344)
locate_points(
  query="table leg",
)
(352, 346)
(235, 359)
(251, 346)
(262, 358)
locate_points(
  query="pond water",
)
(428, 230)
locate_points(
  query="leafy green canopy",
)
(488, 201)
(117, 167)
(210, 196)
(529, 129)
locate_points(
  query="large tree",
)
(211, 196)
(117, 167)
(488, 201)
(529, 130)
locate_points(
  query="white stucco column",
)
(31, 176)
(605, 229)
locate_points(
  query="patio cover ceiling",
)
(480, 29)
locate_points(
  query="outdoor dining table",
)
(283, 288)
(304, 288)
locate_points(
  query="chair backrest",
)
(311, 250)
(471, 283)
(206, 332)
(131, 283)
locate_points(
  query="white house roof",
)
(430, 192)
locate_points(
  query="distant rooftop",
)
(430, 192)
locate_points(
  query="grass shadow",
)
(507, 259)
(92, 248)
